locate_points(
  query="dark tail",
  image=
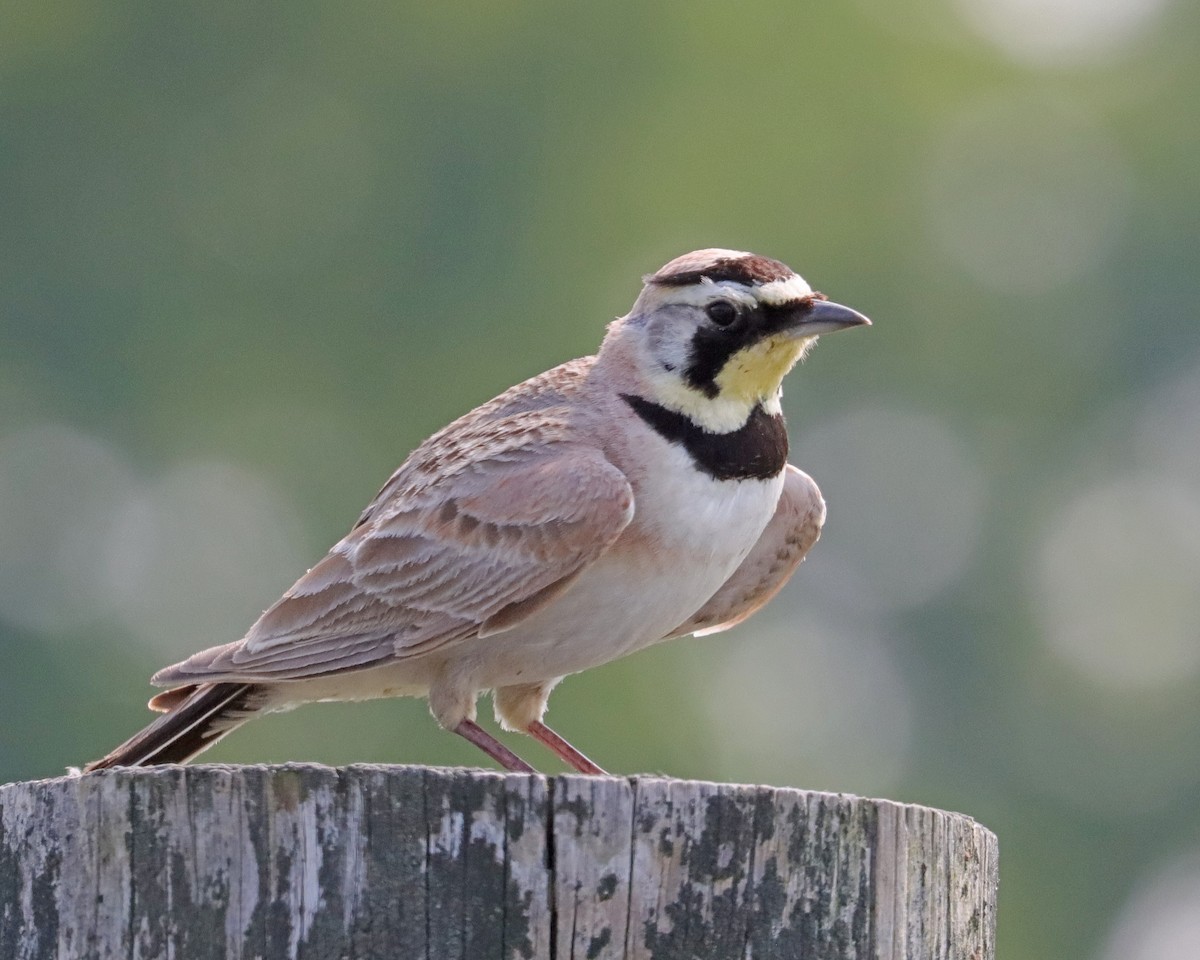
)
(198, 717)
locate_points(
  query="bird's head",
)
(714, 332)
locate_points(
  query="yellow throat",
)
(755, 372)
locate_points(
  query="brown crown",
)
(693, 267)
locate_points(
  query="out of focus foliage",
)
(251, 254)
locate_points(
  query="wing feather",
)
(436, 564)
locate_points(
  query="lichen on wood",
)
(300, 861)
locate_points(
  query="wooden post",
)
(412, 862)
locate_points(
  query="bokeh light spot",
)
(1168, 432)
(1161, 920)
(197, 556)
(798, 698)
(1025, 194)
(905, 497)
(1117, 586)
(1060, 32)
(58, 492)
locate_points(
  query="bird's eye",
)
(722, 312)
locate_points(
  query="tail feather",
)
(198, 717)
(168, 700)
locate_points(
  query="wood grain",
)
(302, 861)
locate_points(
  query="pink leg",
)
(470, 730)
(569, 755)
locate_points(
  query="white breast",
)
(688, 535)
(686, 510)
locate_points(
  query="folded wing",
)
(435, 563)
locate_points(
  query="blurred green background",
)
(251, 254)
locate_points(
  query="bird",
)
(613, 502)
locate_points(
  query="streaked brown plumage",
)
(609, 503)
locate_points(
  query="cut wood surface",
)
(414, 862)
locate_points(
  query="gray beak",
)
(825, 316)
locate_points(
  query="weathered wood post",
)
(412, 862)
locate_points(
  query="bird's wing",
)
(789, 535)
(439, 560)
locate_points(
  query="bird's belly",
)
(666, 565)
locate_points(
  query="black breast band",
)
(757, 450)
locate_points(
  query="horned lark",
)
(608, 504)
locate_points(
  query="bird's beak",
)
(824, 316)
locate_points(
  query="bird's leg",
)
(520, 706)
(567, 753)
(470, 730)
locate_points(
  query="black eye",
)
(722, 312)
